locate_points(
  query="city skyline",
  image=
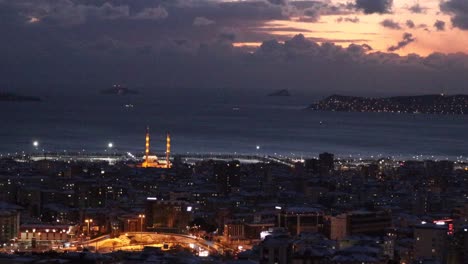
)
(234, 131)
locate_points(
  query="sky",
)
(361, 47)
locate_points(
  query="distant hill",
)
(425, 104)
(11, 97)
(283, 92)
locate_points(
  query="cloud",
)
(422, 25)
(228, 36)
(417, 9)
(191, 67)
(458, 9)
(152, 13)
(68, 12)
(407, 39)
(374, 6)
(312, 11)
(439, 25)
(348, 19)
(76, 12)
(136, 18)
(410, 24)
(360, 50)
(389, 23)
(84, 43)
(202, 21)
(278, 2)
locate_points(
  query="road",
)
(136, 241)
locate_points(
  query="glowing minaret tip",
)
(168, 150)
(147, 146)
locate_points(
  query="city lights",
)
(234, 131)
(129, 207)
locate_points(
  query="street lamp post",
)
(110, 145)
(88, 222)
(35, 144)
(141, 216)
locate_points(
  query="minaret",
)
(147, 145)
(168, 150)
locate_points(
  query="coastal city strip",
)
(214, 209)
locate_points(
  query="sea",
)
(259, 125)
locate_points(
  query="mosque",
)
(152, 161)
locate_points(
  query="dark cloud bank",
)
(186, 47)
(459, 11)
(375, 6)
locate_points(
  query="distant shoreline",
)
(422, 104)
(103, 156)
(11, 97)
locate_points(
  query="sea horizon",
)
(226, 124)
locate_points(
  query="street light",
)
(110, 145)
(88, 221)
(36, 144)
(141, 216)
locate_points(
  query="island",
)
(282, 92)
(12, 97)
(424, 104)
(118, 89)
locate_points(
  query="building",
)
(459, 248)
(132, 222)
(327, 163)
(237, 230)
(312, 166)
(276, 249)
(42, 236)
(301, 219)
(359, 223)
(338, 227)
(234, 231)
(168, 216)
(431, 242)
(227, 176)
(359, 255)
(9, 221)
(152, 161)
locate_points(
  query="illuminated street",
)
(136, 241)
